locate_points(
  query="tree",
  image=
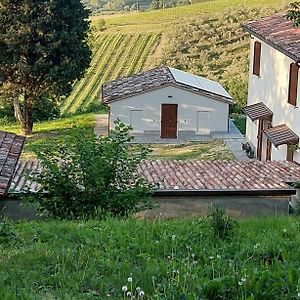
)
(90, 177)
(44, 49)
(294, 13)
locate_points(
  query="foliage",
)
(7, 232)
(92, 177)
(173, 259)
(294, 13)
(223, 226)
(43, 49)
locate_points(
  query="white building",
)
(273, 116)
(168, 103)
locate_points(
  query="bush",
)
(222, 225)
(91, 177)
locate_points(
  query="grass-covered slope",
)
(114, 55)
(166, 259)
(212, 38)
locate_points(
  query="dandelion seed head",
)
(129, 279)
(173, 237)
(128, 294)
(124, 288)
(141, 294)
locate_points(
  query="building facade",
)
(273, 116)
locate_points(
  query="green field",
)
(114, 55)
(179, 259)
(137, 41)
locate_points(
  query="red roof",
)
(11, 146)
(193, 175)
(219, 175)
(278, 32)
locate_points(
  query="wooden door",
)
(290, 153)
(259, 139)
(169, 121)
(269, 150)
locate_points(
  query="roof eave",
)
(224, 192)
(270, 43)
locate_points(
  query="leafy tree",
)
(92, 177)
(294, 13)
(44, 49)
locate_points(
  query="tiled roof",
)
(258, 111)
(219, 175)
(21, 182)
(196, 175)
(11, 146)
(281, 134)
(278, 32)
(158, 77)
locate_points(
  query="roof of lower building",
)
(159, 77)
(172, 175)
(220, 175)
(281, 134)
(258, 111)
(278, 32)
(11, 146)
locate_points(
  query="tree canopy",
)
(44, 49)
(294, 13)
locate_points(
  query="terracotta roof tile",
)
(278, 32)
(11, 146)
(161, 76)
(220, 175)
(195, 175)
(281, 134)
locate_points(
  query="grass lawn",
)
(49, 132)
(178, 259)
(215, 150)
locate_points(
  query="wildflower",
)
(256, 246)
(211, 257)
(141, 294)
(129, 279)
(243, 279)
(173, 237)
(124, 288)
(218, 256)
(128, 294)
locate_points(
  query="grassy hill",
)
(179, 259)
(114, 55)
(203, 38)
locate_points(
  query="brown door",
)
(290, 153)
(269, 150)
(169, 121)
(259, 138)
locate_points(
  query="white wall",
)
(188, 105)
(271, 87)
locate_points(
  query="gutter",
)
(213, 193)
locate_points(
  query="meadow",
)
(173, 259)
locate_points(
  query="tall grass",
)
(180, 259)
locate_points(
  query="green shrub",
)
(92, 177)
(223, 226)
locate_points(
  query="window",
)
(256, 58)
(293, 84)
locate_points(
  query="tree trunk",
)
(17, 109)
(27, 123)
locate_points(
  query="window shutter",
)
(256, 58)
(293, 84)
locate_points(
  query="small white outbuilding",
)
(168, 103)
